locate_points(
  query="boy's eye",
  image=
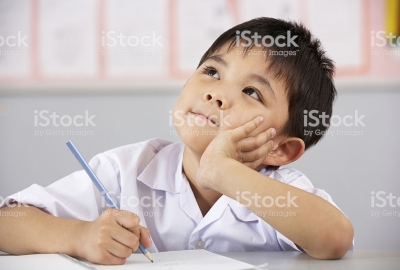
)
(210, 71)
(252, 92)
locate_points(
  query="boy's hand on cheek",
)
(237, 144)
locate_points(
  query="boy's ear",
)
(288, 151)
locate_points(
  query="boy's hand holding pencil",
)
(116, 234)
(112, 237)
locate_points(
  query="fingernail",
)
(273, 132)
(261, 119)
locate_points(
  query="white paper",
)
(69, 38)
(37, 262)
(182, 260)
(172, 260)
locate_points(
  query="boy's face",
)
(225, 92)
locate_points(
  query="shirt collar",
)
(164, 171)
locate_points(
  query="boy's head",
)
(265, 67)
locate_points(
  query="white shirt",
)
(146, 178)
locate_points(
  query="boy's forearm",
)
(28, 230)
(315, 224)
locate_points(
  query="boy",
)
(240, 118)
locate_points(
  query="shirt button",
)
(200, 244)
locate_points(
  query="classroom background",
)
(121, 64)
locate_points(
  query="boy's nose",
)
(222, 102)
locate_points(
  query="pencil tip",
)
(152, 261)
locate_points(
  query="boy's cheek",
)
(239, 119)
(242, 120)
(263, 127)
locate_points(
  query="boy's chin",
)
(197, 143)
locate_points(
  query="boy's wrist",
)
(220, 173)
(209, 173)
(75, 239)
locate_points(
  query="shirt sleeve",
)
(74, 196)
(297, 179)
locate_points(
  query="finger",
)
(126, 238)
(119, 250)
(243, 131)
(107, 258)
(251, 143)
(254, 164)
(127, 219)
(136, 231)
(259, 153)
(145, 238)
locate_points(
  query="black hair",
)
(302, 66)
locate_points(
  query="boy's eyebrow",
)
(218, 59)
(253, 76)
(264, 82)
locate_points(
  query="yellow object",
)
(393, 18)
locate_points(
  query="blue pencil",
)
(100, 187)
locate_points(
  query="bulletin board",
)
(162, 40)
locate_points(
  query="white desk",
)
(353, 260)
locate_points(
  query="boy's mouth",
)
(204, 117)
